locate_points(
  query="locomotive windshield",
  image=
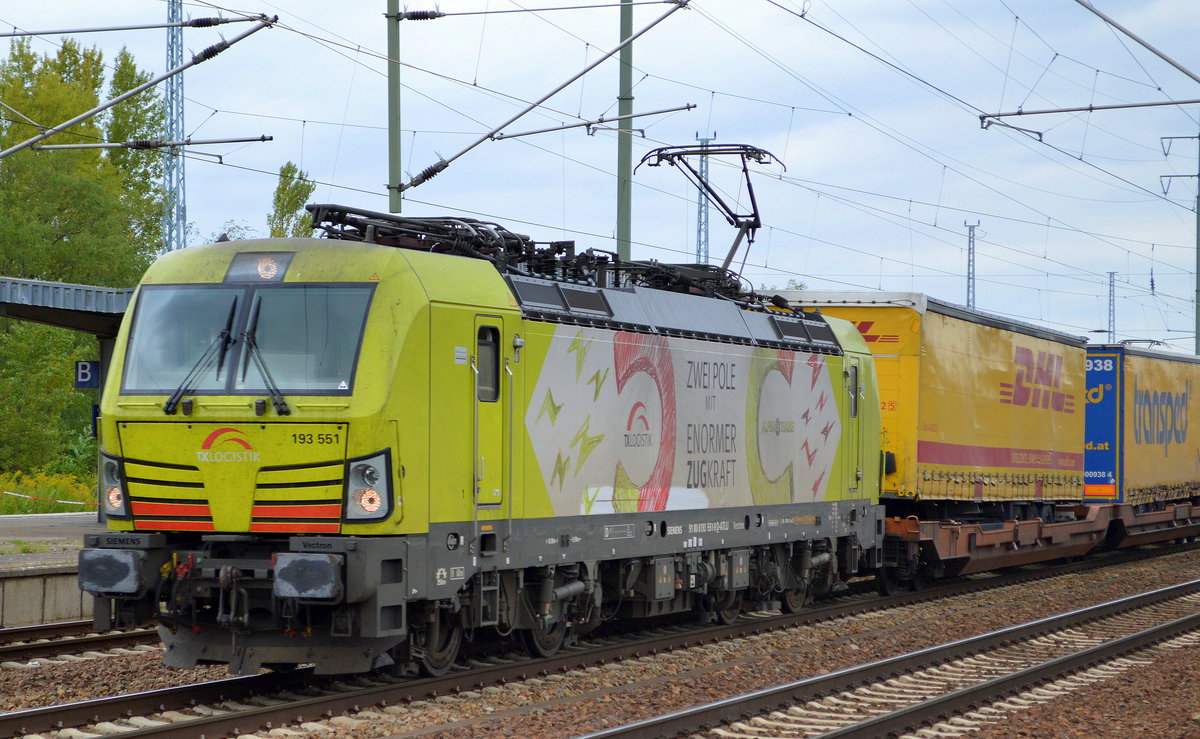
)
(194, 338)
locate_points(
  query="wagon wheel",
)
(793, 600)
(441, 644)
(543, 641)
(886, 581)
(918, 580)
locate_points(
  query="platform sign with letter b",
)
(87, 374)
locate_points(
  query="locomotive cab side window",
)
(852, 386)
(487, 378)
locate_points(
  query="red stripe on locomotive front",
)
(298, 528)
(174, 525)
(170, 509)
(324, 510)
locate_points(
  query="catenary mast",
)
(174, 221)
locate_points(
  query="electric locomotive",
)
(367, 448)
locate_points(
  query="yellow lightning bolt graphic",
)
(587, 444)
(549, 407)
(560, 469)
(598, 379)
(580, 347)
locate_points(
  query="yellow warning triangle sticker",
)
(374, 277)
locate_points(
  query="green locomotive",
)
(370, 447)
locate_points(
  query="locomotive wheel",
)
(793, 600)
(440, 655)
(730, 608)
(541, 641)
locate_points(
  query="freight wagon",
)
(1138, 454)
(984, 432)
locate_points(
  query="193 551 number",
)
(316, 438)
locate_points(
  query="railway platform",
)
(38, 567)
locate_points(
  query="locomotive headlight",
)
(112, 488)
(369, 500)
(114, 498)
(367, 473)
(368, 488)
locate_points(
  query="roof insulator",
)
(420, 15)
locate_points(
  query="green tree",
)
(85, 216)
(287, 216)
(137, 119)
(42, 415)
(74, 215)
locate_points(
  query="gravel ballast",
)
(1159, 700)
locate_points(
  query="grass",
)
(19, 546)
(40, 492)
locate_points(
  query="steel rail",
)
(13, 634)
(701, 718)
(911, 718)
(34, 720)
(651, 641)
(67, 644)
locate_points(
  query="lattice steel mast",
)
(174, 221)
(702, 206)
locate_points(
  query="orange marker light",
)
(369, 500)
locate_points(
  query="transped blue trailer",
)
(1137, 447)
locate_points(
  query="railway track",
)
(243, 705)
(944, 687)
(23, 643)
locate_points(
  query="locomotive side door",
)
(852, 437)
(492, 396)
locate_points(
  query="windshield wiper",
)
(253, 352)
(215, 352)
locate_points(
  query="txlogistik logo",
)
(1160, 417)
(1037, 382)
(635, 436)
(226, 445)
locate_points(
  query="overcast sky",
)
(872, 110)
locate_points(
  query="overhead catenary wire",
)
(203, 56)
(432, 170)
(190, 23)
(1017, 214)
(1080, 230)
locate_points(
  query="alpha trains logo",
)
(226, 445)
(1037, 382)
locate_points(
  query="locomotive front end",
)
(244, 463)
